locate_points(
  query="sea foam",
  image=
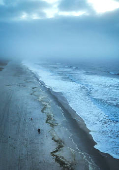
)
(95, 98)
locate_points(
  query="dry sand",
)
(26, 106)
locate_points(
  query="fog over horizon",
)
(74, 32)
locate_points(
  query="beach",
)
(38, 131)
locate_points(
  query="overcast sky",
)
(70, 29)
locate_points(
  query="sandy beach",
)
(37, 130)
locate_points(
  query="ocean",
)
(92, 92)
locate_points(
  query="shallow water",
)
(93, 93)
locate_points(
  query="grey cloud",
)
(15, 9)
(73, 38)
(74, 5)
(60, 37)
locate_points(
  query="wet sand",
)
(63, 142)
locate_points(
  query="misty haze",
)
(59, 85)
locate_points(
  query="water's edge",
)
(63, 103)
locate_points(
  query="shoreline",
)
(62, 102)
(63, 143)
(82, 126)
